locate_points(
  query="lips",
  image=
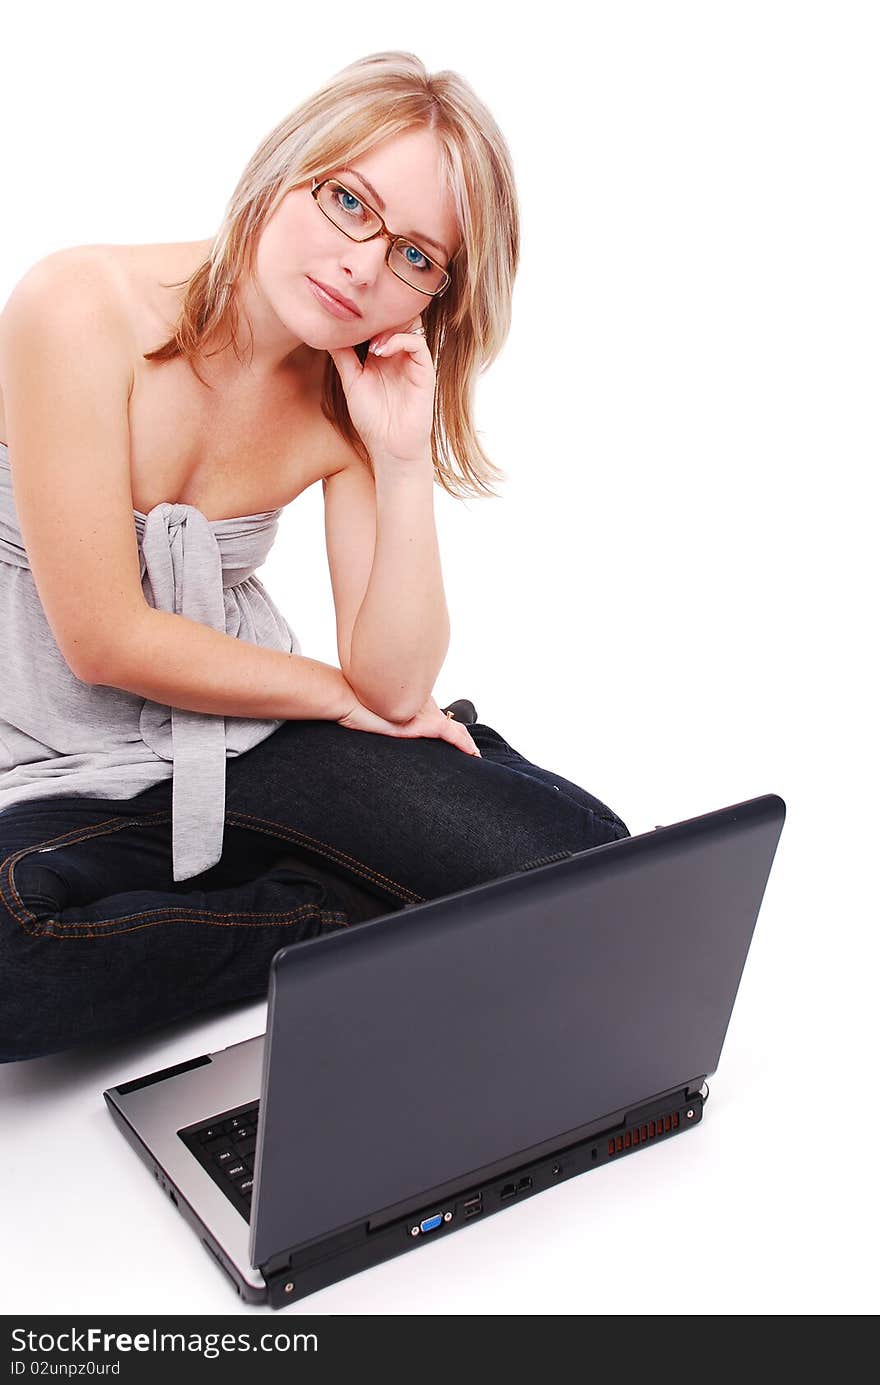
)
(340, 298)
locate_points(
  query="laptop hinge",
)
(278, 1266)
(280, 1286)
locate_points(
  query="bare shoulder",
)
(89, 266)
(74, 295)
(88, 277)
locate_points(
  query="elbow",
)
(110, 662)
(402, 712)
(98, 668)
(385, 708)
(408, 707)
(380, 701)
(80, 663)
(92, 671)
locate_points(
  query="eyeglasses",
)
(363, 223)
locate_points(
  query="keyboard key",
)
(236, 1170)
(244, 1185)
(210, 1133)
(246, 1145)
(225, 1156)
(214, 1145)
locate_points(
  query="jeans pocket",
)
(39, 881)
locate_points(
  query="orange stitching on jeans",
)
(168, 913)
(322, 849)
(230, 818)
(333, 915)
(196, 916)
(70, 839)
(275, 918)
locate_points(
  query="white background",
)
(673, 603)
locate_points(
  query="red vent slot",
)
(640, 1134)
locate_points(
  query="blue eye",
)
(415, 265)
(340, 193)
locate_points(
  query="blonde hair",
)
(371, 100)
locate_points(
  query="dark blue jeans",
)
(324, 827)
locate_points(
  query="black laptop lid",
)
(424, 1045)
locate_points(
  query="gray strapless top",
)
(60, 736)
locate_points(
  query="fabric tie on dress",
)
(183, 556)
(61, 736)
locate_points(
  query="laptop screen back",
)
(426, 1044)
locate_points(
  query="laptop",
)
(431, 1067)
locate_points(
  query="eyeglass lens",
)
(358, 221)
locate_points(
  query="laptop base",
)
(360, 1248)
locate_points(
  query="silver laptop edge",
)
(150, 1118)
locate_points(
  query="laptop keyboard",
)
(224, 1146)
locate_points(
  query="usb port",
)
(474, 1206)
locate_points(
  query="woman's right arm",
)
(65, 352)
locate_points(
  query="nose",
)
(365, 259)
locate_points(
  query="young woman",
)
(182, 790)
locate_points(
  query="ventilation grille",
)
(642, 1134)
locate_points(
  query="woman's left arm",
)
(401, 634)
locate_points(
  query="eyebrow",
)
(413, 235)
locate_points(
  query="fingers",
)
(459, 735)
(387, 343)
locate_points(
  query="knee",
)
(617, 829)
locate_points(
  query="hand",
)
(391, 397)
(430, 722)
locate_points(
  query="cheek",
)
(284, 245)
(270, 259)
(399, 303)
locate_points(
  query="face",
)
(300, 244)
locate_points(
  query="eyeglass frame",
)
(382, 231)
